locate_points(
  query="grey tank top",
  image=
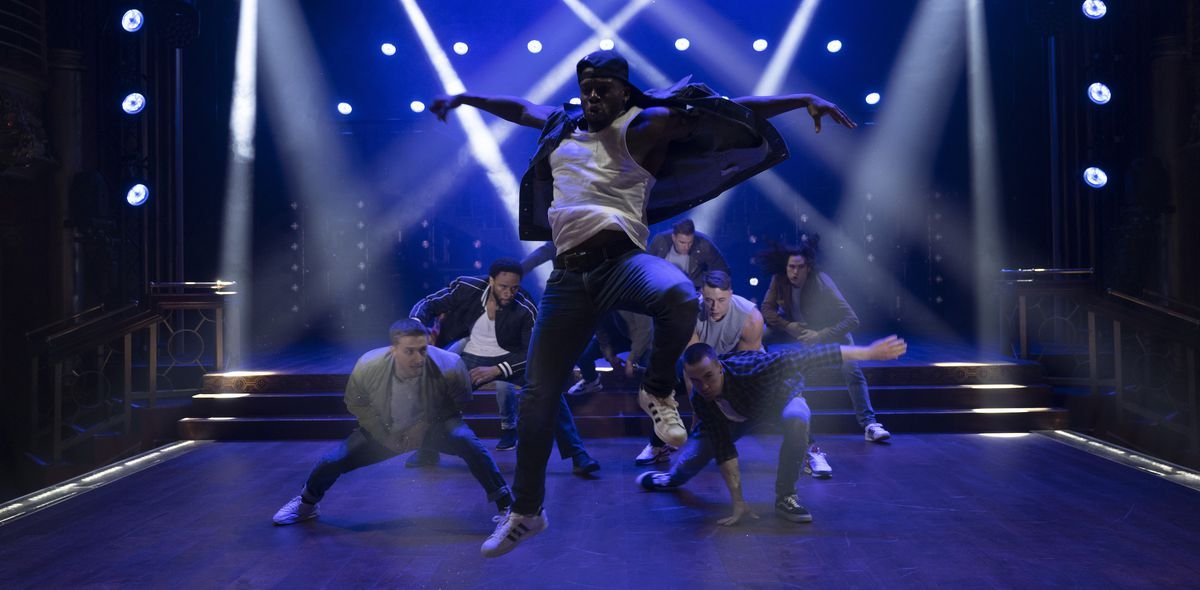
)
(724, 335)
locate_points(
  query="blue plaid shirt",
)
(758, 385)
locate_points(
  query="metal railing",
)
(89, 370)
(1134, 358)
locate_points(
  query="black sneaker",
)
(584, 464)
(655, 481)
(788, 508)
(508, 440)
(423, 458)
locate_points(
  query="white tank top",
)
(598, 186)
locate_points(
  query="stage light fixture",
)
(1094, 9)
(1099, 93)
(461, 48)
(1095, 177)
(682, 44)
(833, 46)
(760, 45)
(134, 103)
(607, 44)
(132, 20)
(873, 98)
(388, 49)
(137, 195)
(575, 100)
(417, 106)
(534, 46)
(753, 281)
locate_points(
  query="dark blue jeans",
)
(856, 382)
(572, 303)
(795, 418)
(453, 437)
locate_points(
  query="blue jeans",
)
(566, 434)
(795, 418)
(572, 303)
(452, 436)
(856, 382)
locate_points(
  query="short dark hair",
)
(406, 327)
(698, 352)
(684, 227)
(718, 279)
(505, 265)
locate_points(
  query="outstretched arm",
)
(770, 106)
(510, 108)
(884, 349)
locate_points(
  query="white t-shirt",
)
(483, 338)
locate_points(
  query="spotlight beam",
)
(985, 181)
(236, 262)
(772, 79)
(484, 146)
(783, 57)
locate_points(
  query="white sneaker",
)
(652, 454)
(665, 413)
(816, 465)
(876, 433)
(296, 510)
(512, 528)
(585, 386)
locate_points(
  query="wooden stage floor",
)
(928, 511)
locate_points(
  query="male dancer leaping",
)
(591, 183)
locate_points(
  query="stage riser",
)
(488, 427)
(876, 376)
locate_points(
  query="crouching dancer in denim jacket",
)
(403, 395)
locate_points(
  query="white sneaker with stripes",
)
(511, 529)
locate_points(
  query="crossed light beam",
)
(484, 142)
(768, 84)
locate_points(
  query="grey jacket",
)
(444, 384)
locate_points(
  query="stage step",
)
(632, 424)
(877, 374)
(608, 402)
(908, 397)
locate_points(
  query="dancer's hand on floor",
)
(740, 511)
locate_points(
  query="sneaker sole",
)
(588, 470)
(793, 517)
(506, 550)
(656, 460)
(880, 439)
(819, 474)
(298, 520)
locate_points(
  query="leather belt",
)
(602, 247)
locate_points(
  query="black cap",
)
(604, 64)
